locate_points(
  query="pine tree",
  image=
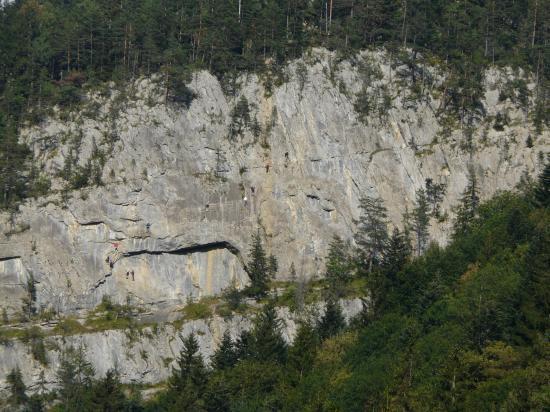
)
(189, 378)
(434, 195)
(338, 268)
(13, 165)
(35, 404)
(233, 296)
(29, 300)
(107, 393)
(190, 365)
(421, 221)
(268, 343)
(467, 209)
(396, 254)
(225, 356)
(272, 266)
(542, 189)
(258, 268)
(372, 231)
(17, 388)
(75, 378)
(303, 350)
(244, 345)
(332, 322)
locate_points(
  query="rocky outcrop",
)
(145, 356)
(184, 189)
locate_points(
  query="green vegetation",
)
(463, 327)
(260, 268)
(28, 310)
(199, 310)
(69, 326)
(109, 315)
(34, 338)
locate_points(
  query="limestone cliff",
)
(183, 189)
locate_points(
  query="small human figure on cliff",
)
(267, 168)
(127, 274)
(132, 273)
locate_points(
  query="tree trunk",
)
(534, 24)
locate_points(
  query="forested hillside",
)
(53, 51)
(461, 328)
(163, 157)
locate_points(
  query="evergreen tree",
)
(17, 388)
(13, 165)
(338, 268)
(434, 195)
(75, 376)
(233, 296)
(396, 254)
(372, 231)
(542, 189)
(258, 269)
(107, 393)
(190, 365)
(468, 206)
(272, 266)
(225, 356)
(35, 404)
(268, 343)
(332, 322)
(29, 300)
(421, 221)
(304, 348)
(244, 345)
(535, 301)
(189, 378)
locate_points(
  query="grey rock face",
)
(182, 194)
(146, 358)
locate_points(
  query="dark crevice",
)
(92, 223)
(207, 247)
(9, 258)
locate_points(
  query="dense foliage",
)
(460, 328)
(52, 49)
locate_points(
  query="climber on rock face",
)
(132, 273)
(127, 274)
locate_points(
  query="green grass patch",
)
(69, 326)
(197, 310)
(107, 323)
